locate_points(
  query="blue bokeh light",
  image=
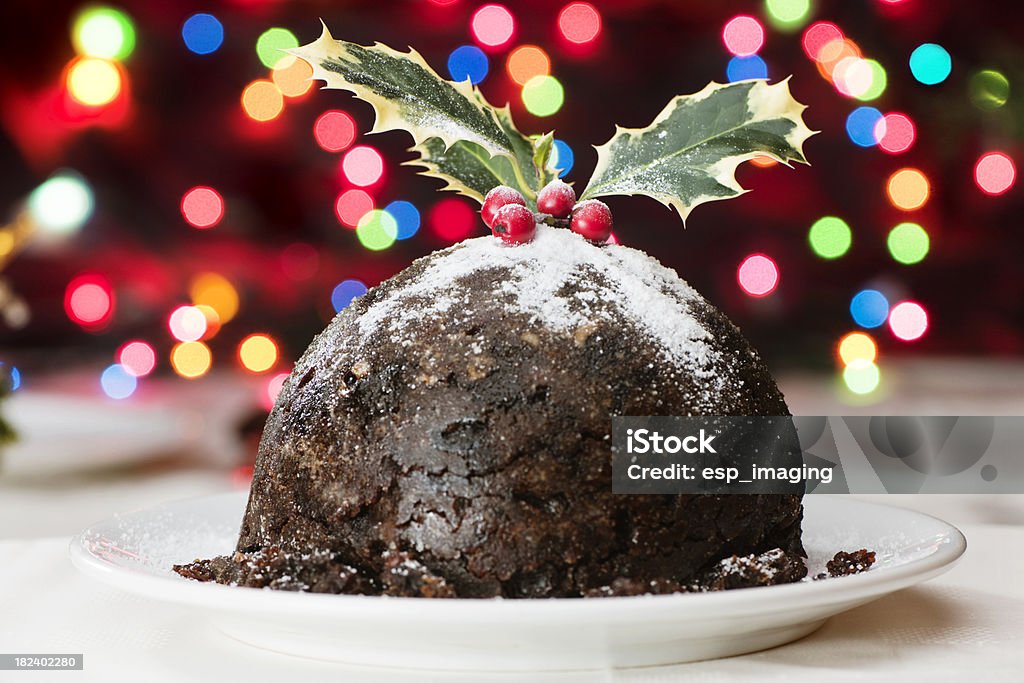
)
(930, 63)
(345, 292)
(118, 382)
(407, 216)
(468, 61)
(861, 124)
(869, 308)
(203, 33)
(14, 376)
(745, 68)
(561, 158)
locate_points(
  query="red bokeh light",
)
(452, 219)
(579, 22)
(202, 207)
(89, 301)
(334, 130)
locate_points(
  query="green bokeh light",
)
(908, 243)
(543, 95)
(787, 15)
(377, 230)
(830, 237)
(862, 376)
(989, 89)
(879, 79)
(270, 44)
(103, 32)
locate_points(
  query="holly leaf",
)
(689, 153)
(459, 136)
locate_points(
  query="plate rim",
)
(847, 589)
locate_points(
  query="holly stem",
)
(551, 220)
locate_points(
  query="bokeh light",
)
(861, 124)
(818, 35)
(352, 205)
(493, 25)
(137, 358)
(857, 346)
(217, 292)
(527, 61)
(293, 80)
(62, 204)
(274, 387)
(758, 275)
(745, 68)
(743, 35)
(869, 308)
(861, 376)
(908, 320)
(787, 15)
(452, 219)
(212, 321)
(262, 100)
(187, 323)
(191, 359)
(930, 64)
(407, 218)
(830, 237)
(89, 301)
(377, 230)
(908, 243)
(334, 130)
(879, 81)
(562, 158)
(257, 353)
(93, 82)
(895, 133)
(344, 293)
(202, 207)
(362, 166)
(579, 22)
(543, 95)
(853, 77)
(117, 382)
(908, 189)
(203, 33)
(994, 173)
(468, 62)
(13, 376)
(989, 89)
(103, 32)
(271, 44)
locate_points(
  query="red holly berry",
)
(556, 199)
(497, 198)
(514, 224)
(593, 220)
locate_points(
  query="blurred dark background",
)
(177, 121)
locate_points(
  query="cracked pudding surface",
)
(449, 435)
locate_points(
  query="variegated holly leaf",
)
(460, 137)
(689, 153)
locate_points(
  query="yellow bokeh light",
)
(908, 189)
(857, 346)
(191, 359)
(527, 61)
(262, 101)
(293, 79)
(214, 290)
(258, 353)
(93, 82)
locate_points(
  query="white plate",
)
(61, 433)
(134, 553)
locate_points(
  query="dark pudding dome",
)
(449, 435)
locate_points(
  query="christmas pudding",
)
(449, 433)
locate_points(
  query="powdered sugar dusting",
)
(563, 282)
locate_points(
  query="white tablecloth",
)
(967, 623)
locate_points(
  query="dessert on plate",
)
(449, 433)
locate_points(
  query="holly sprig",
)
(687, 156)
